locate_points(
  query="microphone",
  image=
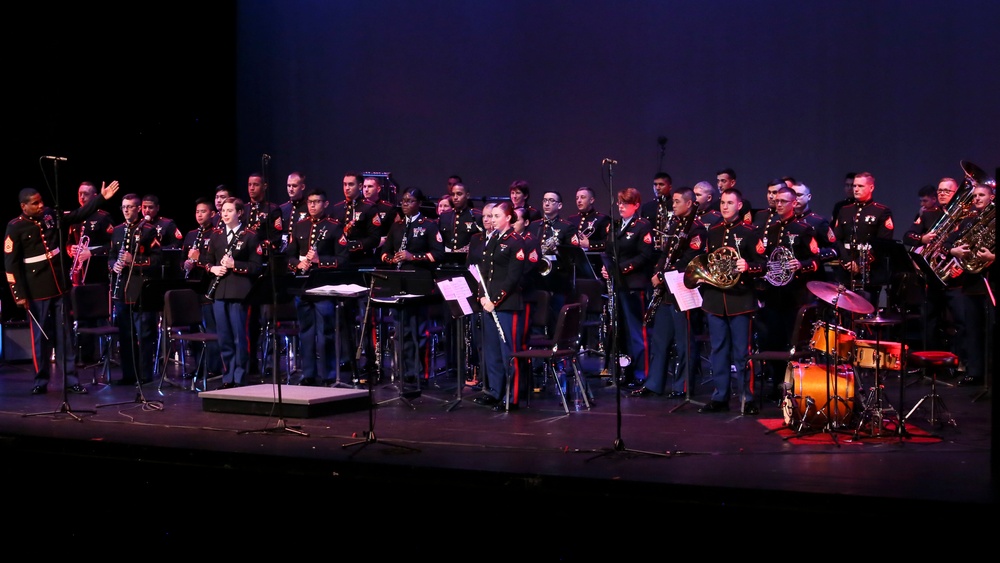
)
(609, 161)
(62, 158)
(266, 157)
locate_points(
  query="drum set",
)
(822, 393)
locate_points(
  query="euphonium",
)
(717, 268)
(778, 272)
(981, 234)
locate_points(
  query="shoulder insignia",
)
(533, 257)
(813, 247)
(178, 235)
(439, 239)
(648, 239)
(695, 243)
(377, 220)
(830, 236)
(520, 254)
(277, 224)
(10, 278)
(8, 245)
(760, 247)
(343, 240)
(888, 223)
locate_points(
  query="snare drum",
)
(887, 355)
(827, 337)
(809, 393)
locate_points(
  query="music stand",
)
(338, 285)
(370, 434)
(461, 301)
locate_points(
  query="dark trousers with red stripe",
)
(497, 352)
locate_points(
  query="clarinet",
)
(486, 291)
(130, 231)
(402, 244)
(210, 294)
(198, 239)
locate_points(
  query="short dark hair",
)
(728, 171)
(521, 185)
(665, 176)
(316, 191)
(685, 192)
(929, 190)
(735, 192)
(557, 194)
(205, 201)
(151, 198)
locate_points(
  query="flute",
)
(496, 319)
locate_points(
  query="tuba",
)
(934, 254)
(778, 273)
(717, 268)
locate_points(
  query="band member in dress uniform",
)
(502, 267)
(135, 245)
(783, 287)
(672, 327)
(293, 210)
(97, 228)
(234, 258)
(921, 233)
(458, 225)
(730, 310)
(658, 210)
(195, 249)
(37, 274)
(167, 233)
(90, 263)
(761, 217)
(413, 242)
(315, 246)
(591, 225)
(263, 217)
(633, 239)
(825, 239)
(520, 191)
(385, 212)
(707, 196)
(857, 225)
(360, 237)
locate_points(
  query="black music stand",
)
(400, 290)
(460, 309)
(370, 434)
(337, 285)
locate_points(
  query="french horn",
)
(717, 268)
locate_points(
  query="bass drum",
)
(809, 400)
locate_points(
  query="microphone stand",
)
(63, 337)
(618, 447)
(280, 426)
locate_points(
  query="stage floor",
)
(439, 456)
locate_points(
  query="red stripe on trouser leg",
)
(516, 385)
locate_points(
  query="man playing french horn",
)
(729, 301)
(683, 240)
(790, 251)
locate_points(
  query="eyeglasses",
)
(946, 191)
(126, 207)
(314, 202)
(550, 200)
(407, 200)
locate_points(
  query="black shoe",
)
(637, 384)
(715, 406)
(676, 395)
(644, 392)
(750, 409)
(230, 385)
(970, 381)
(486, 400)
(40, 389)
(77, 389)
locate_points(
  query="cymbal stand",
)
(874, 412)
(62, 359)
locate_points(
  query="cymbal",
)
(878, 319)
(840, 296)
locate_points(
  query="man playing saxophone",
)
(730, 303)
(684, 239)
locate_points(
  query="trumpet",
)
(78, 272)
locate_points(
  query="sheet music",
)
(457, 289)
(686, 298)
(343, 290)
